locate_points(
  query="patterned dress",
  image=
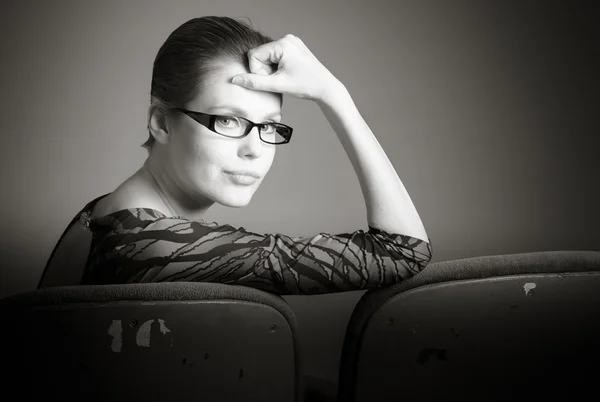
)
(143, 245)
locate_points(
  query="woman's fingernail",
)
(237, 80)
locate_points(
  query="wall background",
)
(488, 110)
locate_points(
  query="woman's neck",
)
(176, 201)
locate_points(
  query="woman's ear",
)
(157, 124)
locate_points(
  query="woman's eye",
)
(267, 128)
(227, 121)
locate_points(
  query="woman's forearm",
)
(389, 206)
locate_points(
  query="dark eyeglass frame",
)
(208, 121)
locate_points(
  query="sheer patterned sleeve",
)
(176, 249)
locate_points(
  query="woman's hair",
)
(191, 52)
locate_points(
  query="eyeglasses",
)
(239, 127)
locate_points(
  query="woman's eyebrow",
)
(241, 113)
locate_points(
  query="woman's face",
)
(202, 162)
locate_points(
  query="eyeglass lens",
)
(233, 127)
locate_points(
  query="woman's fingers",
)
(263, 57)
(286, 66)
(264, 61)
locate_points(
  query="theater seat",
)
(515, 327)
(150, 342)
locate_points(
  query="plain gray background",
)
(489, 110)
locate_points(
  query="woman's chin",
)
(234, 200)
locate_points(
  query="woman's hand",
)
(287, 66)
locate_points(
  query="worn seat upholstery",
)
(151, 342)
(509, 327)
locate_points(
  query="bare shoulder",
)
(132, 193)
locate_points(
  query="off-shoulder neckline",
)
(87, 211)
(133, 211)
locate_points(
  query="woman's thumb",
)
(258, 82)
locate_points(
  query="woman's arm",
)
(300, 74)
(389, 206)
(142, 245)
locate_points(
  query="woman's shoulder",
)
(121, 207)
(130, 195)
(123, 212)
(121, 201)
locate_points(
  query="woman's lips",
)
(243, 179)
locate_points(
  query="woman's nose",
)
(252, 145)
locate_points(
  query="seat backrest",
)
(498, 328)
(151, 342)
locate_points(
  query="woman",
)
(215, 124)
